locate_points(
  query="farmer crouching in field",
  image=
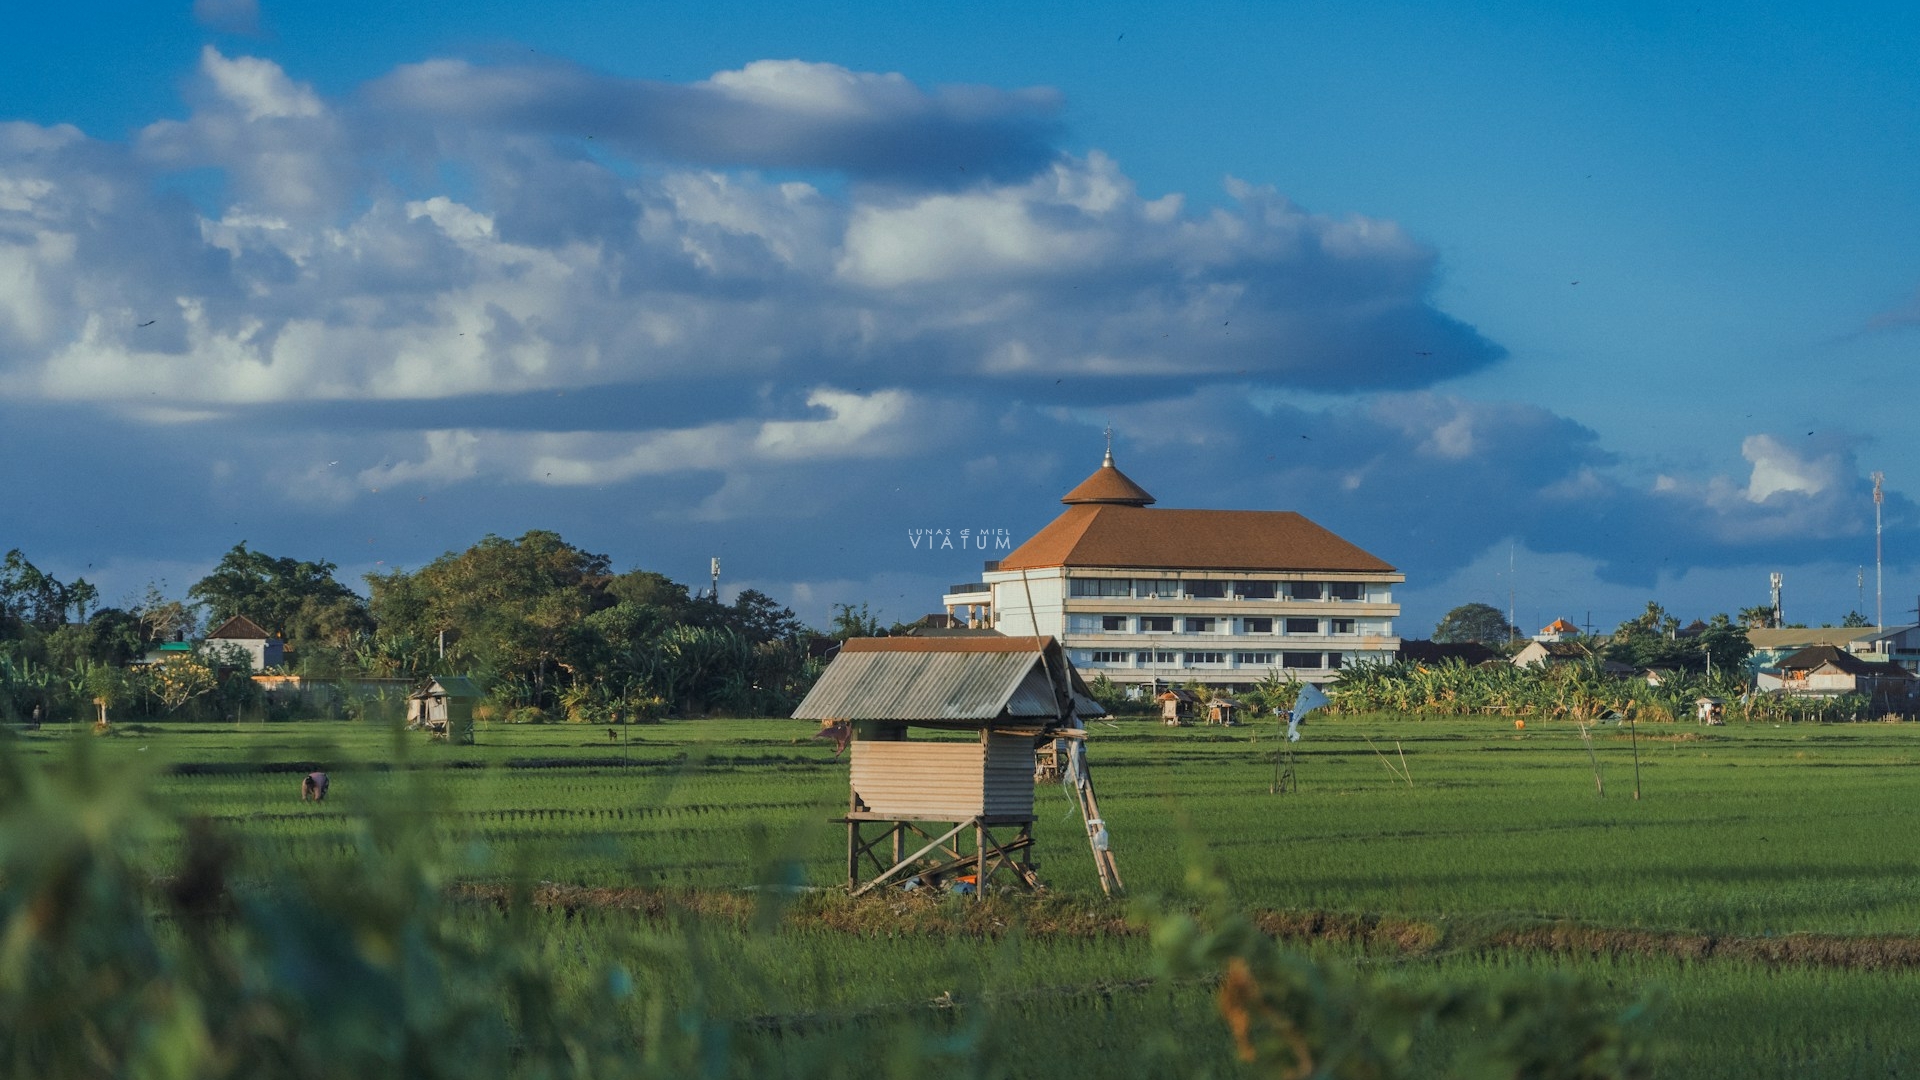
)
(314, 787)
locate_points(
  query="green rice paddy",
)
(1762, 890)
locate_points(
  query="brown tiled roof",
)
(1108, 485)
(239, 628)
(1105, 534)
(1559, 626)
(1819, 655)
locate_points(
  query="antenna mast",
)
(1778, 620)
(1511, 629)
(1879, 496)
(715, 567)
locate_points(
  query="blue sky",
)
(1629, 295)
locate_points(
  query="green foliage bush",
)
(353, 971)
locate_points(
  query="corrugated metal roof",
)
(945, 680)
(1034, 697)
(1802, 637)
(989, 641)
(453, 686)
(923, 685)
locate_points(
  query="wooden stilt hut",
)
(956, 806)
(1176, 705)
(444, 708)
(1223, 710)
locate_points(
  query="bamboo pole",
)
(1633, 730)
(1599, 785)
(1391, 771)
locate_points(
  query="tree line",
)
(551, 630)
(1653, 639)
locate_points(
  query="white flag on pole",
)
(1309, 699)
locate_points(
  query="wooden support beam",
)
(915, 857)
(961, 862)
(853, 853)
(980, 858)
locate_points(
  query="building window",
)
(1166, 588)
(1303, 590)
(1082, 624)
(1207, 590)
(1256, 626)
(1254, 590)
(1303, 626)
(1201, 626)
(1206, 658)
(1119, 622)
(1254, 659)
(1156, 658)
(1339, 626)
(1100, 587)
(1334, 659)
(1102, 656)
(1300, 659)
(1156, 624)
(1347, 590)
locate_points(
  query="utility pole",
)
(1879, 496)
(1511, 629)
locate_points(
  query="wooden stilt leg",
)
(980, 858)
(853, 854)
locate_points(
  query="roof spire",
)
(1108, 484)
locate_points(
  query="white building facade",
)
(1160, 597)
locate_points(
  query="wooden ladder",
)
(1076, 767)
(1103, 863)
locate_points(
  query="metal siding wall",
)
(1009, 775)
(921, 780)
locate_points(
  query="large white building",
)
(1225, 597)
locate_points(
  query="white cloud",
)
(847, 426)
(281, 147)
(818, 89)
(771, 113)
(315, 279)
(259, 88)
(451, 456)
(1778, 468)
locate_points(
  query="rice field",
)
(1762, 891)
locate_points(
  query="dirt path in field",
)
(906, 914)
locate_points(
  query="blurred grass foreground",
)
(242, 962)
